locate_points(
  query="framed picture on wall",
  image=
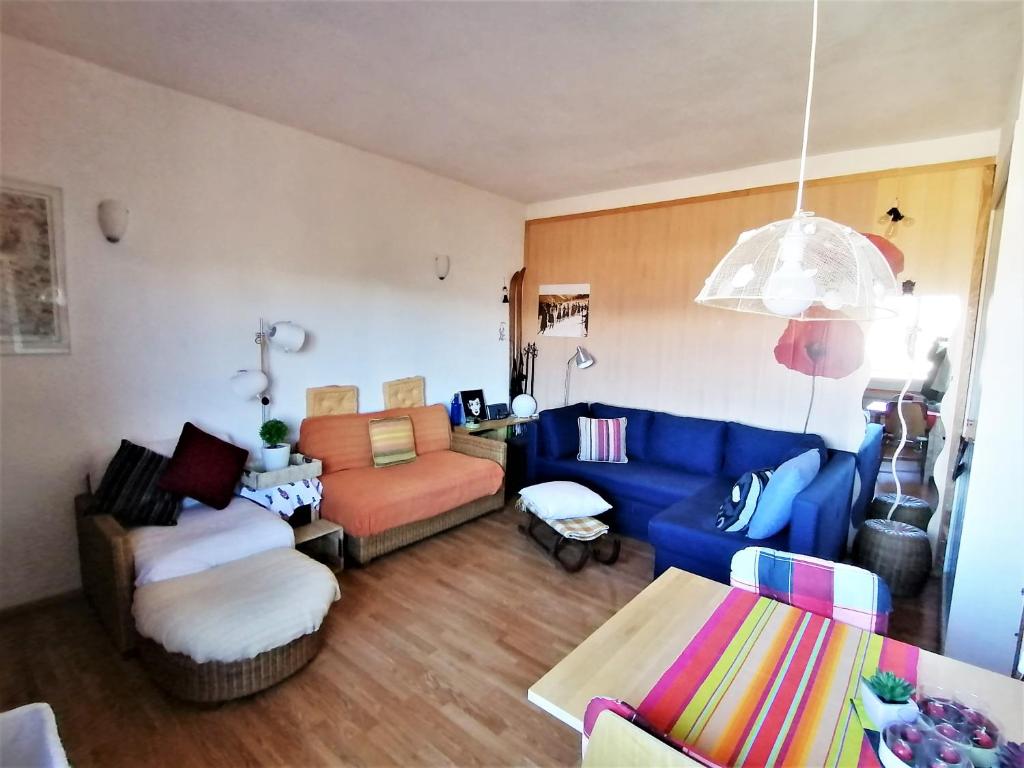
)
(564, 310)
(33, 302)
(473, 406)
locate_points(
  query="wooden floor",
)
(427, 661)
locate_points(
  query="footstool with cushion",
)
(567, 509)
(236, 629)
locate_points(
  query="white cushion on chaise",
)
(205, 538)
(239, 610)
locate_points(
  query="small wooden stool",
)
(898, 552)
(911, 510)
(588, 534)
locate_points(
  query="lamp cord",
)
(807, 111)
(810, 404)
(911, 350)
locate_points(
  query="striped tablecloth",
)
(766, 684)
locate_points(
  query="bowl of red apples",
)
(918, 745)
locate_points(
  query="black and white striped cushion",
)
(129, 489)
(737, 510)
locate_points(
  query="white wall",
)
(948, 149)
(232, 217)
(988, 591)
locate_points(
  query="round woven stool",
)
(896, 551)
(917, 512)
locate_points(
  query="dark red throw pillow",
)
(204, 467)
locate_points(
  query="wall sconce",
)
(504, 294)
(284, 335)
(442, 265)
(249, 384)
(113, 218)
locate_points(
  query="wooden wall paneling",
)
(656, 348)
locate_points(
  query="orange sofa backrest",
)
(343, 441)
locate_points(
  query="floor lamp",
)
(580, 359)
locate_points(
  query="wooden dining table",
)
(628, 654)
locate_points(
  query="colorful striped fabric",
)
(843, 592)
(603, 440)
(392, 441)
(765, 684)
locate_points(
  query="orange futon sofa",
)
(454, 478)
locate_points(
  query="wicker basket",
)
(896, 551)
(911, 510)
(216, 681)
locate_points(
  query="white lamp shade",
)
(524, 406)
(287, 336)
(249, 384)
(113, 218)
(795, 267)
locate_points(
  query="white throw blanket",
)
(239, 610)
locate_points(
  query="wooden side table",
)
(322, 540)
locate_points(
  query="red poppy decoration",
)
(892, 254)
(830, 348)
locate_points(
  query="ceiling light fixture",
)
(787, 267)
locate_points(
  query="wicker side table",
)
(912, 510)
(896, 551)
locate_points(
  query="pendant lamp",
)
(788, 267)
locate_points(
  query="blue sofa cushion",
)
(560, 432)
(751, 448)
(685, 536)
(648, 482)
(775, 507)
(638, 423)
(693, 445)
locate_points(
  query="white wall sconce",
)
(284, 335)
(113, 218)
(442, 266)
(249, 384)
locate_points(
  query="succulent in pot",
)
(886, 698)
(276, 452)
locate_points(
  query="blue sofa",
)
(681, 469)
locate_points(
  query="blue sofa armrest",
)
(869, 460)
(821, 512)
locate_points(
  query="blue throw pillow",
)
(735, 513)
(775, 507)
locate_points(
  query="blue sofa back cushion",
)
(637, 426)
(560, 431)
(748, 449)
(694, 445)
(775, 507)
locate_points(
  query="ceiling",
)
(537, 101)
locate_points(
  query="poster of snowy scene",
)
(564, 310)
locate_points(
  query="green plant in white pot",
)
(276, 452)
(886, 697)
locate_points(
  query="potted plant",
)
(886, 698)
(276, 452)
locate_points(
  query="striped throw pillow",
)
(392, 441)
(737, 510)
(130, 488)
(603, 440)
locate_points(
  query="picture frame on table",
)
(497, 411)
(474, 407)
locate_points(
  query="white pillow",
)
(562, 500)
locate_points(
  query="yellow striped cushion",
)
(392, 441)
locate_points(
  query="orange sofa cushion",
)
(343, 441)
(369, 500)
